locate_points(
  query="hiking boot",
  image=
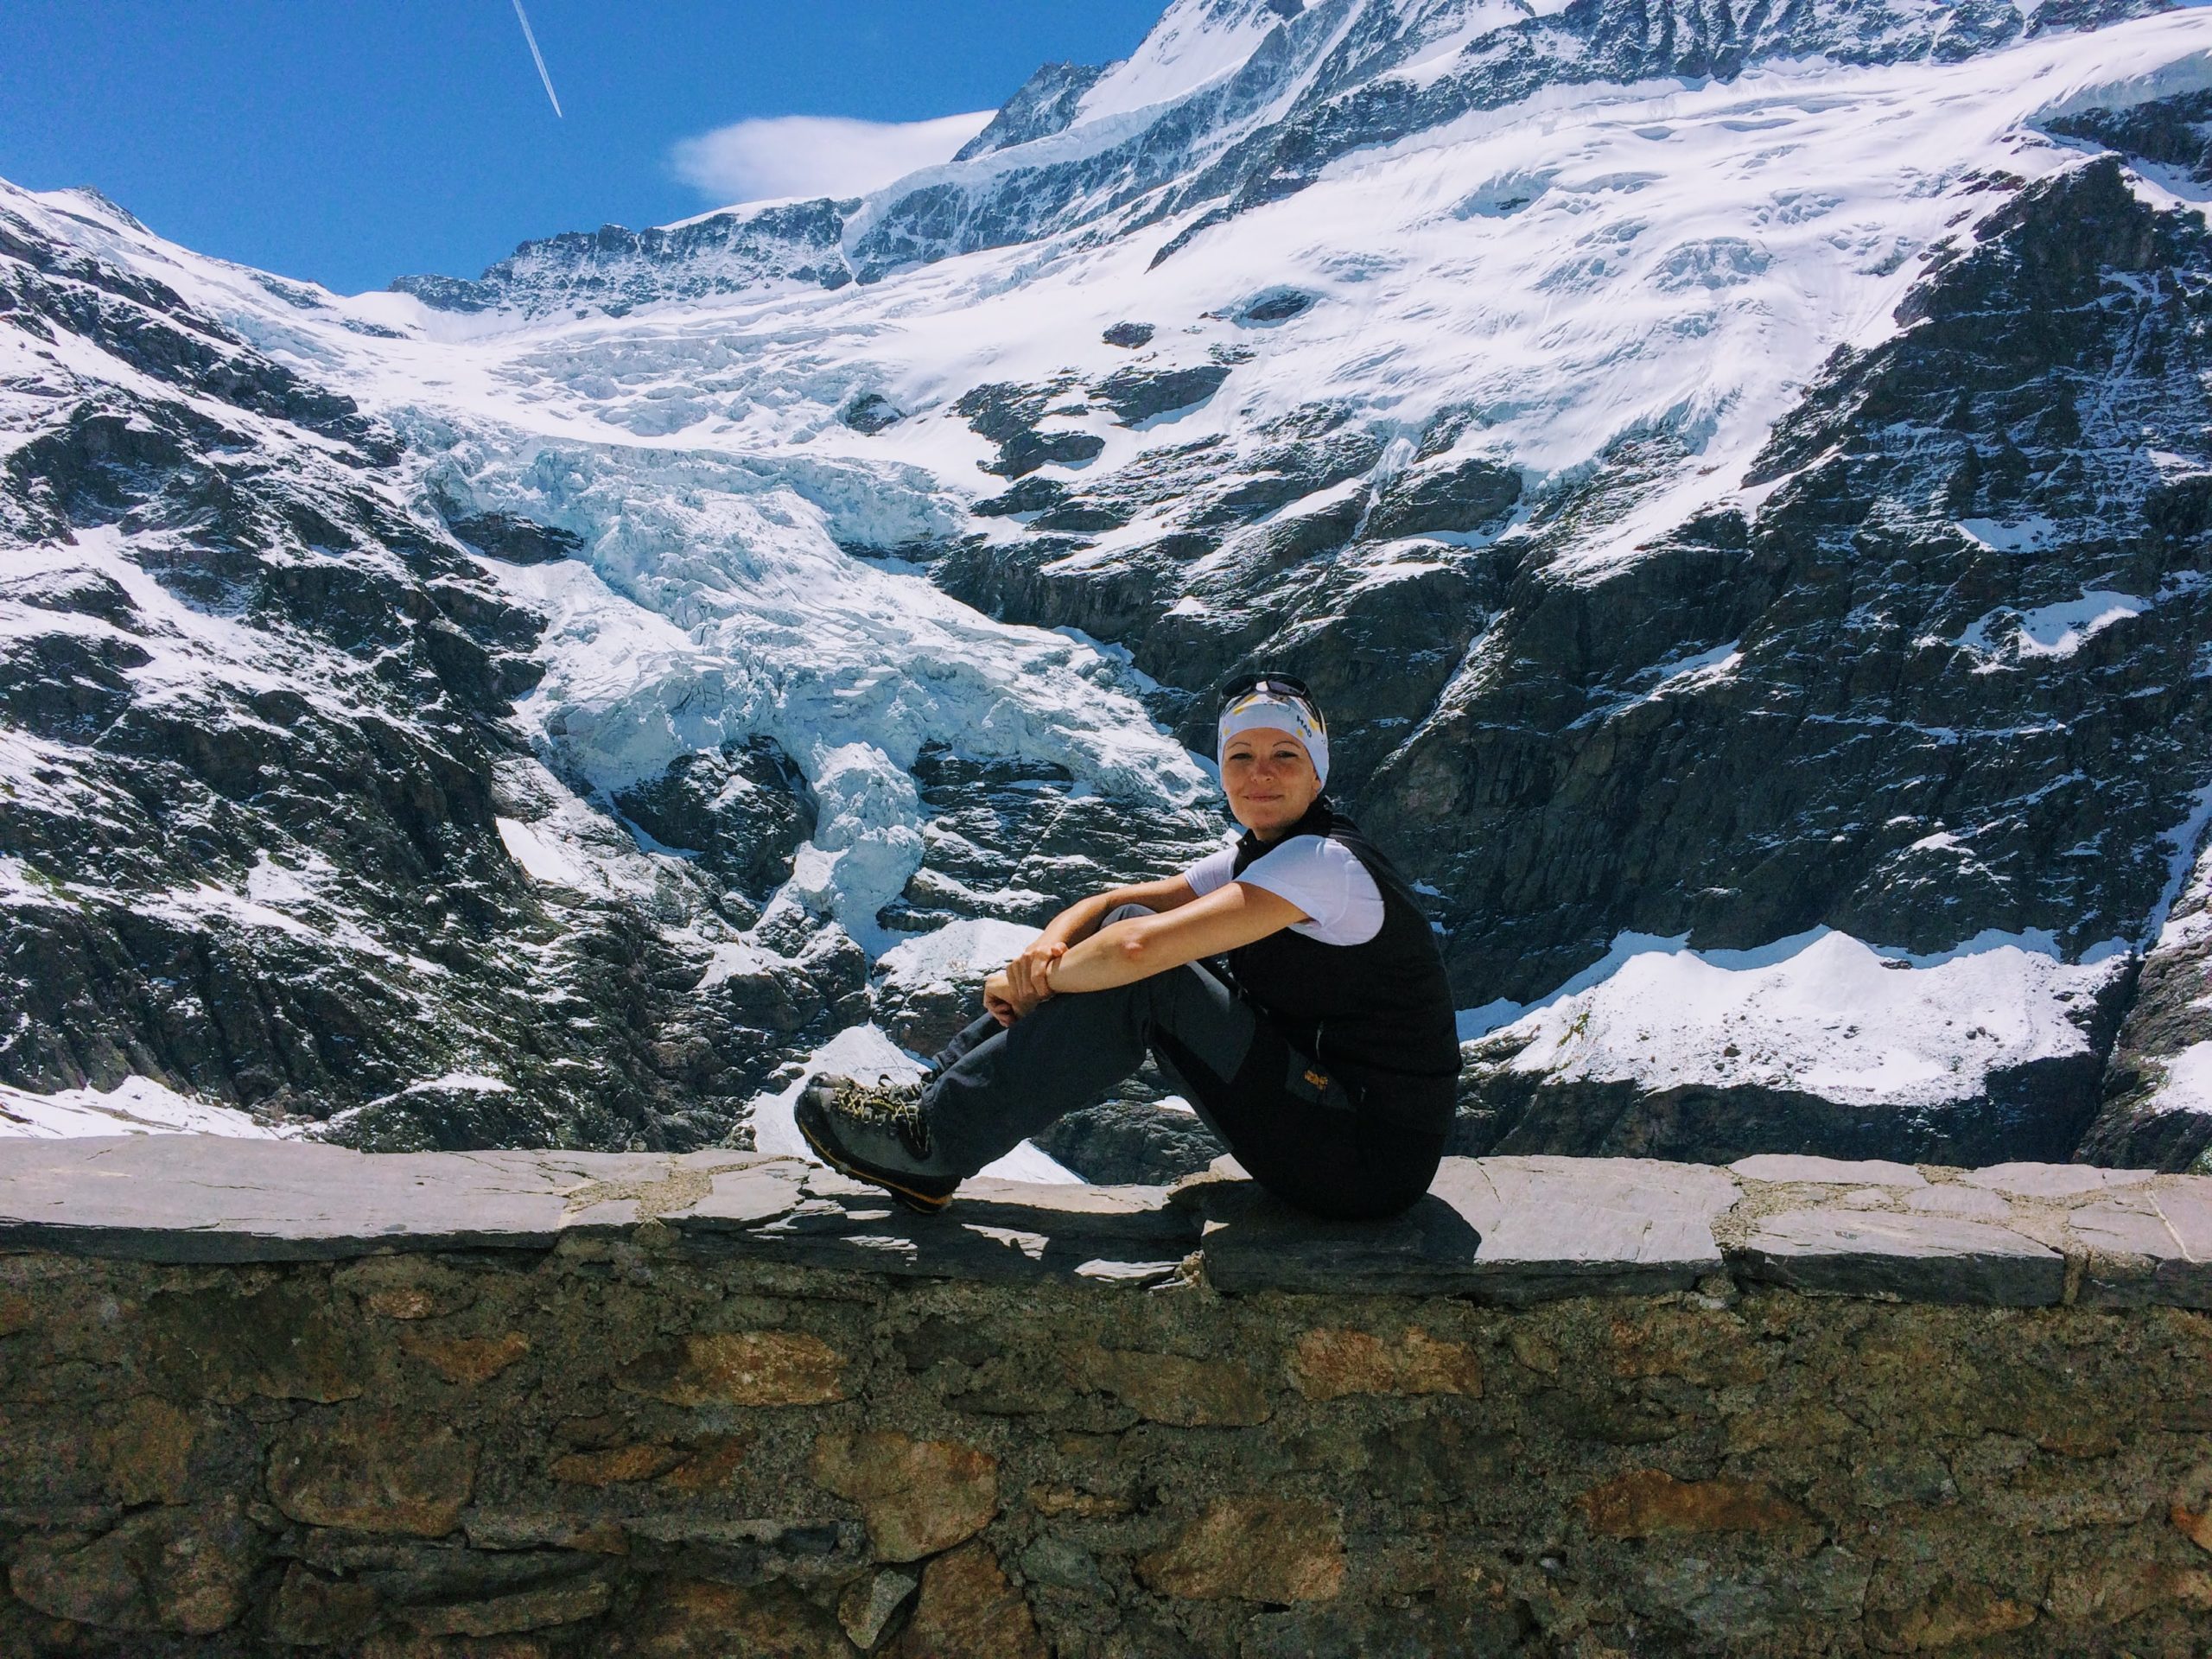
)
(874, 1132)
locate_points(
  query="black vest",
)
(1378, 1015)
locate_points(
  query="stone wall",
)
(257, 1398)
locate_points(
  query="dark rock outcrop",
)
(1011, 840)
(1472, 497)
(1881, 651)
(517, 541)
(1137, 395)
(741, 812)
(2174, 132)
(1132, 1139)
(1007, 415)
(870, 413)
(2156, 1111)
(1043, 105)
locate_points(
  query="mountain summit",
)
(1739, 479)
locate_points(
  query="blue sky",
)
(349, 143)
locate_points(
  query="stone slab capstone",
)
(1511, 1230)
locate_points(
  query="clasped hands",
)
(1018, 987)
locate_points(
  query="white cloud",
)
(816, 155)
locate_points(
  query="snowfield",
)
(137, 1106)
(1824, 1015)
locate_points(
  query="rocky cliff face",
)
(1973, 588)
(2157, 1111)
(258, 741)
(1738, 481)
(1959, 646)
(613, 268)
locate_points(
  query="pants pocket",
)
(1305, 1079)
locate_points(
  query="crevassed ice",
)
(713, 602)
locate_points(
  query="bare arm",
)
(1144, 946)
(1025, 984)
(1080, 920)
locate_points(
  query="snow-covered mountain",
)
(1741, 481)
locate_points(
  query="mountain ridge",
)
(1318, 64)
(1650, 475)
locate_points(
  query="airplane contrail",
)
(538, 58)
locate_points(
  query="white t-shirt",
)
(1323, 878)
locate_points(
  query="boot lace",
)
(891, 1104)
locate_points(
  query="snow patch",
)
(21, 887)
(1694, 673)
(1820, 1013)
(955, 953)
(541, 859)
(2007, 638)
(1196, 41)
(2187, 1083)
(461, 1083)
(134, 1106)
(2028, 535)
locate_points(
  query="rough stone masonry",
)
(258, 1398)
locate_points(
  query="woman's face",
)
(1270, 780)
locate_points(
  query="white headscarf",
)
(1262, 709)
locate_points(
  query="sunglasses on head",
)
(1277, 684)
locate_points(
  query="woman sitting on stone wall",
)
(1288, 985)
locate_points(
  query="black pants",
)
(996, 1087)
